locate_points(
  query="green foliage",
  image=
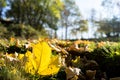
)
(11, 70)
(21, 31)
(3, 31)
(8, 74)
(37, 13)
(106, 56)
(56, 6)
(2, 5)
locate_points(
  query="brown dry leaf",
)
(69, 73)
(72, 73)
(90, 74)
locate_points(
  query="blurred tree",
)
(83, 27)
(2, 5)
(110, 27)
(93, 20)
(36, 13)
(115, 23)
(70, 15)
(104, 27)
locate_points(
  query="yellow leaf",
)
(42, 54)
(53, 67)
(76, 60)
(30, 66)
(20, 56)
(39, 60)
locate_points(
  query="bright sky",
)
(85, 6)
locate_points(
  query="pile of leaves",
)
(58, 60)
